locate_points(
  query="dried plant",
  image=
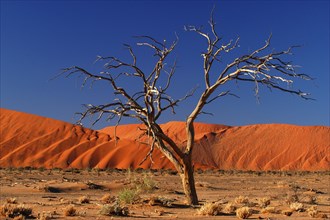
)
(114, 209)
(312, 211)
(151, 100)
(210, 209)
(45, 216)
(229, 208)
(244, 212)
(107, 198)
(264, 202)
(128, 196)
(242, 200)
(291, 198)
(146, 183)
(13, 210)
(70, 211)
(297, 206)
(84, 199)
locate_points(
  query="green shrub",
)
(128, 196)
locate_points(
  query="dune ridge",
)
(31, 140)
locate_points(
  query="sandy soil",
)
(52, 191)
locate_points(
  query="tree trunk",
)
(188, 181)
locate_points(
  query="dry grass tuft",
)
(264, 202)
(242, 200)
(45, 216)
(312, 211)
(12, 211)
(297, 206)
(107, 198)
(210, 209)
(84, 199)
(145, 183)
(229, 208)
(244, 212)
(70, 211)
(129, 196)
(291, 198)
(114, 209)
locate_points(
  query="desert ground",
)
(157, 194)
(51, 169)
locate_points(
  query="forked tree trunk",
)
(188, 181)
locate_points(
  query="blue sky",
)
(38, 38)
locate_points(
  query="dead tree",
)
(262, 67)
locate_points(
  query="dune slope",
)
(30, 140)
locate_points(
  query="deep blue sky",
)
(38, 38)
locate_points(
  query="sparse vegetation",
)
(70, 211)
(84, 199)
(229, 208)
(312, 211)
(211, 209)
(146, 183)
(13, 210)
(297, 206)
(107, 198)
(114, 209)
(128, 196)
(242, 200)
(264, 202)
(45, 216)
(243, 212)
(166, 201)
(292, 198)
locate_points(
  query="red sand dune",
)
(30, 140)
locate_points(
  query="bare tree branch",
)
(148, 102)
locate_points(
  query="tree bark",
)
(188, 181)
